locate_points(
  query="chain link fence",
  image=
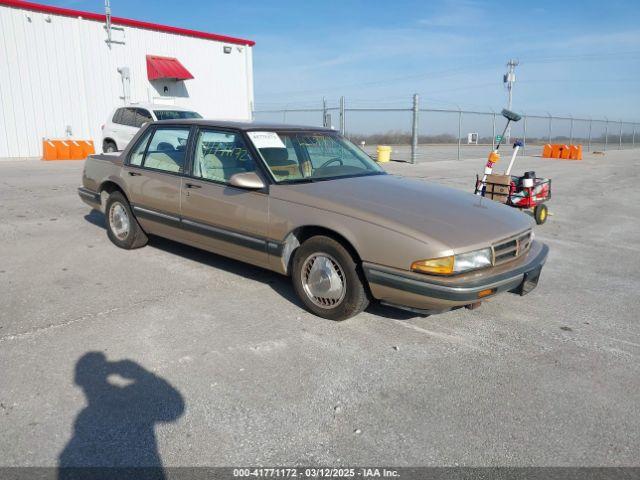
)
(423, 134)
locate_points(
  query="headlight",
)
(472, 260)
(455, 263)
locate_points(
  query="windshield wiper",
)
(351, 175)
(297, 180)
(324, 179)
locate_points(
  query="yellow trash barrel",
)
(384, 153)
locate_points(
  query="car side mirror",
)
(248, 181)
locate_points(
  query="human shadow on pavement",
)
(114, 436)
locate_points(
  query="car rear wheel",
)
(122, 227)
(109, 146)
(328, 280)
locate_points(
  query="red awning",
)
(166, 67)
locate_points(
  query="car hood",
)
(423, 210)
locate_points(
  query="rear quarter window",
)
(117, 117)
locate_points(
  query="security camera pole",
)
(509, 79)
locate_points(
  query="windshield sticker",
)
(266, 140)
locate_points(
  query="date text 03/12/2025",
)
(316, 472)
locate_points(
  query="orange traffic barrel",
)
(88, 148)
(62, 149)
(67, 149)
(575, 152)
(76, 152)
(546, 151)
(565, 153)
(555, 150)
(49, 151)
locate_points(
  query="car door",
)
(215, 215)
(152, 174)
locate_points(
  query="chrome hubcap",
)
(323, 280)
(119, 221)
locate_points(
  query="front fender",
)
(373, 243)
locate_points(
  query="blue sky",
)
(577, 57)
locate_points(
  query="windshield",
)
(308, 156)
(175, 114)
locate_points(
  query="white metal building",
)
(63, 71)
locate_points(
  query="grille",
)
(511, 248)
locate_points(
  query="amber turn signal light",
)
(437, 266)
(486, 293)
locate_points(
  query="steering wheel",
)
(329, 162)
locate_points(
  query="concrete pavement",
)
(552, 378)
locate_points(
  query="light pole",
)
(509, 79)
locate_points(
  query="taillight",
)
(102, 127)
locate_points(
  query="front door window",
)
(219, 155)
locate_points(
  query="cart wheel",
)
(540, 213)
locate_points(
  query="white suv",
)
(124, 122)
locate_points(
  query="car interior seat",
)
(222, 165)
(164, 161)
(278, 161)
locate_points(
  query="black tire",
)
(541, 213)
(117, 205)
(354, 298)
(109, 146)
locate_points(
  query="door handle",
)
(134, 174)
(192, 185)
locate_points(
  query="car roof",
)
(239, 125)
(157, 106)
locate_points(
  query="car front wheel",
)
(122, 227)
(327, 279)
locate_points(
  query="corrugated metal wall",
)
(58, 71)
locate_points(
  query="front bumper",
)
(431, 293)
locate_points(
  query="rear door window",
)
(128, 117)
(167, 149)
(135, 158)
